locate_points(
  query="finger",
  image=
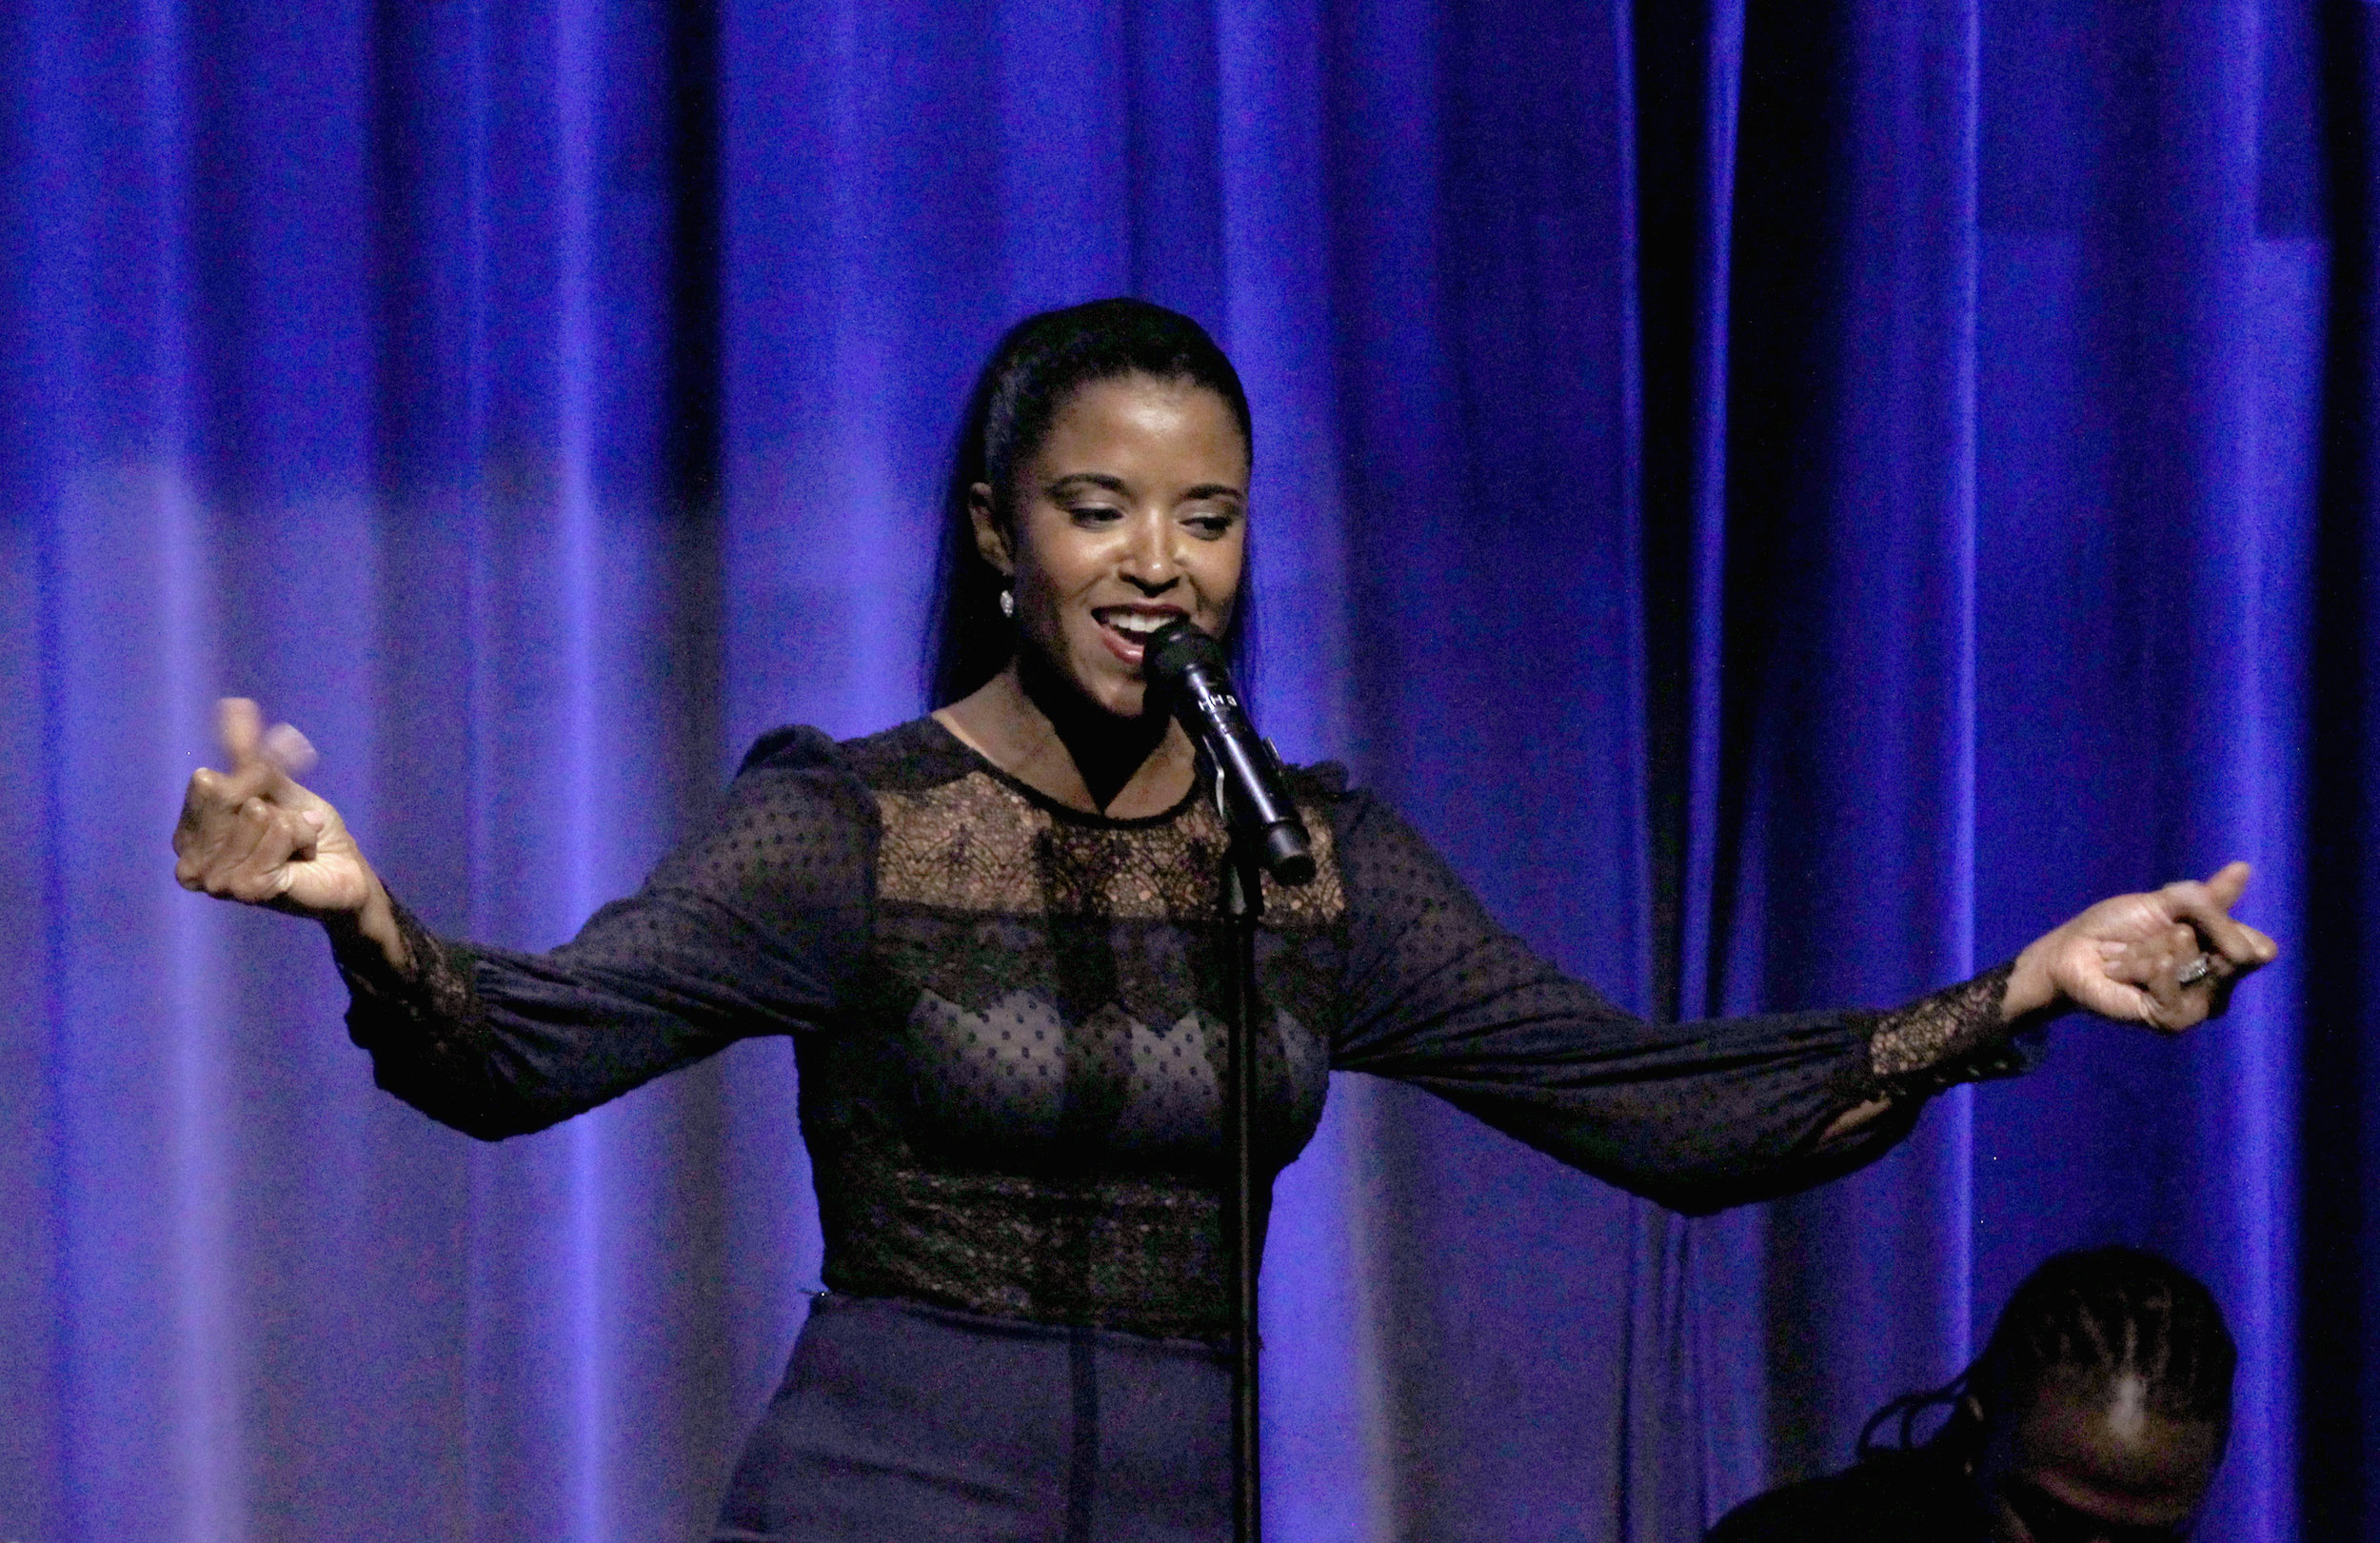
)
(2116, 999)
(2141, 982)
(289, 749)
(197, 800)
(279, 862)
(2234, 946)
(264, 873)
(212, 793)
(2142, 961)
(210, 815)
(308, 831)
(200, 835)
(239, 723)
(236, 839)
(2207, 910)
(2166, 999)
(260, 761)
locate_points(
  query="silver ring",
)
(2195, 970)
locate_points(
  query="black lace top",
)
(1006, 1016)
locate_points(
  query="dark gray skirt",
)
(897, 1420)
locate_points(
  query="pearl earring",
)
(1008, 602)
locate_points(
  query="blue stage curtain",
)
(1793, 500)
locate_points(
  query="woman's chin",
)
(1110, 690)
(1128, 700)
(1072, 683)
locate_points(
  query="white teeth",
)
(1140, 625)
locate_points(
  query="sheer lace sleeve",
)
(1696, 1116)
(1952, 1037)
(754, 928)
(430, 1041)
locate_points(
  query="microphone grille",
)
(1176, 648)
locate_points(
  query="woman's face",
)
(1133, 511)
(2101, 1468)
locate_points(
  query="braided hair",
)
(2082, 1322)
(1042, 362)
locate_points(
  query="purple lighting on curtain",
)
(1711, 190)
(1966, 130)
(207, 1424)
(1791, 504)
(580, 589)
(1270, 263)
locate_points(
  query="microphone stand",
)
(1244, 906)
(1264, 831)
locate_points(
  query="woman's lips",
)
(1121, 646)
(1128, 645)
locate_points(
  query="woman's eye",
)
(1212, 526)
(1095, 514)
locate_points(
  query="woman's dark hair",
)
(2081, 1322)
(1042, 362)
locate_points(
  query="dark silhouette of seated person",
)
(2097, 1413)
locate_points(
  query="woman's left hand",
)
(2167, 960)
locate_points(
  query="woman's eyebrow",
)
(1096, 479)
(1213, 491)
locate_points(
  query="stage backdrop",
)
(1792, 499)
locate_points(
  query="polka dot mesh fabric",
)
(1008, 1020)
(1050, 989)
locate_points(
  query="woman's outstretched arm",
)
(1705, 1114)
(752, 927)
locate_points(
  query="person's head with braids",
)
(2099, 1410)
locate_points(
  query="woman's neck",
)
(1049, 737)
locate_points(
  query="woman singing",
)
(990, 936)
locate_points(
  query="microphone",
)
(1190, 667)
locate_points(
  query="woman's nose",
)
(1150, 563)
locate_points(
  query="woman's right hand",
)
(252, 833)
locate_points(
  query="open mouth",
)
(1127, 630)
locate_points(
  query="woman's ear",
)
(991, 537)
